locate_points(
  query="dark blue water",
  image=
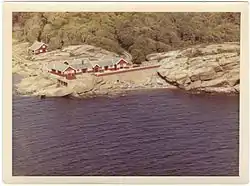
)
(162, 132)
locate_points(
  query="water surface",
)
(161, 132)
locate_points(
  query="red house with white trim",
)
(70, 69)
(113, 64)
(38, 48)
(62, 69)
(121, 63)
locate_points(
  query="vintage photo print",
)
(109, 92)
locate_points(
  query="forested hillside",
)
(138, 33)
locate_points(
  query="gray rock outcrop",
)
(212, 68)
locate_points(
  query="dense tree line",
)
(138, 33)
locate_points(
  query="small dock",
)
(61, 80)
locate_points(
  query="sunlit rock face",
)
(211, 68)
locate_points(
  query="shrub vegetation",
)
(138, 33)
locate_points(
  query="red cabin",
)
(69, 71)
(62, 69)
(121, 63)
(96, 68)
(38, 48)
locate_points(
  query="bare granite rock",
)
(212, 68)
(32, 85)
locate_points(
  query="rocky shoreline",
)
(37, 82)
(49, 88)
(211, 69)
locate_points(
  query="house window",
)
(44, 46)
(106, 68)
(41, 50)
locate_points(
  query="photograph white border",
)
(10, 7)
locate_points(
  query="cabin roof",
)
(84, 63)
(107, 61)
(119, 59)
(58, 66)
(36, 45)
(80, 63)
